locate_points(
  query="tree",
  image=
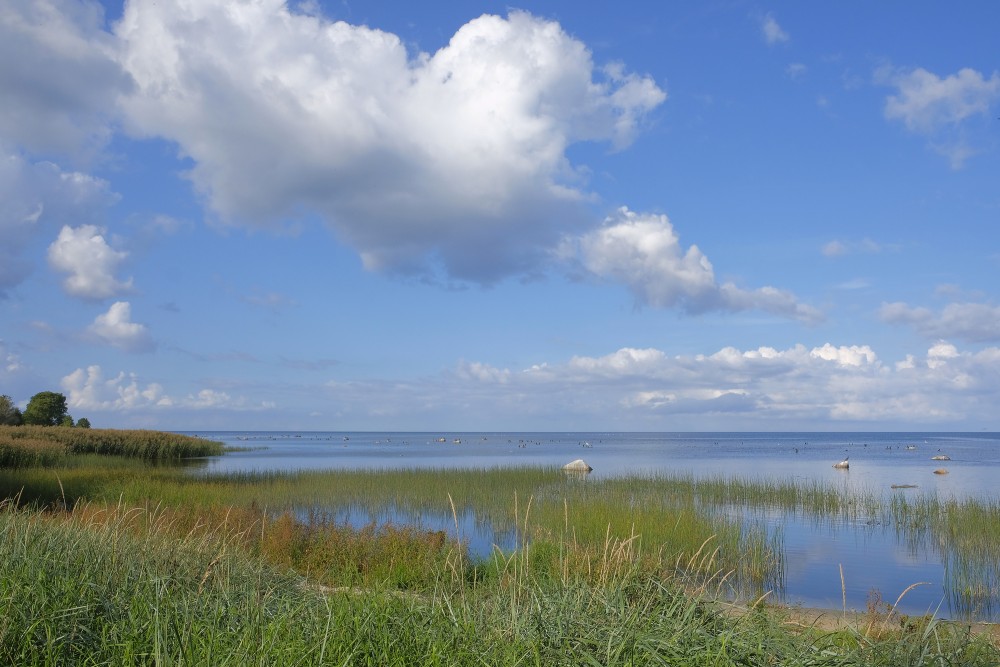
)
(10, 414)
(66, 421)
(46, 408)
(83, 422)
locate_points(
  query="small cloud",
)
(35, 198)
(10, 363)
(643, 251)
(483, 373)
(837, 248)
(772, 32)
(309, 364)
(834, 249)
(116, 328)
(91, 263)
(220, 400)
(270, 300)
(851, 356)
(796, 71)
(856, 284)
(166, 224)
(939, 107)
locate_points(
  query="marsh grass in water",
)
(967, 535)
(566, 523)
(115, 585)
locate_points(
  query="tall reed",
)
(151, 445)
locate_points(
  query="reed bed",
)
(141, 444)
(29, 452)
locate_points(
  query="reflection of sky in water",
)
(871, 559)
(872, 556)
(479, 536)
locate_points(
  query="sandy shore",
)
(833, 620)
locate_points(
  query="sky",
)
(453, 216)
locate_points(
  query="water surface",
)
(817, 553)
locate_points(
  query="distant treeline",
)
(23, 446)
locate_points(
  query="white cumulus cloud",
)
(455, 157)
(85, 255)
(116, 328)
(88, 389)
(646, 388)
(853, 355)
(644, 252)
(34, 196)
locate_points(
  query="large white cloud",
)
(59, 75)
(85, 255)
(937, 107)
(457, 156)
(644, 252)
(116, 328)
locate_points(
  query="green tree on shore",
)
(46, 408)
(83, 422)
(10, 414)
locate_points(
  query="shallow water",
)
(826, 561)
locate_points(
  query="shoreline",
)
(835, 620)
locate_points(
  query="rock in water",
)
(578, 466)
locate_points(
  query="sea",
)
(832, 564)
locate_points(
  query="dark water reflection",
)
(826, 560)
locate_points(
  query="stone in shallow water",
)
(578, 465)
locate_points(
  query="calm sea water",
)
(870, 556)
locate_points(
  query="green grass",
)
(113, 560)
(89, 588)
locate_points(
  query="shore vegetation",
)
(110, 556)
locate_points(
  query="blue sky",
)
(473, 216)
